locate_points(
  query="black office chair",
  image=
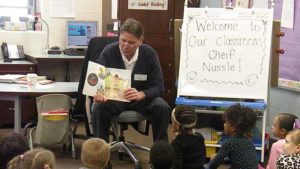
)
(83, 103)
(119, 124)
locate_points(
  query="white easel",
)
(244, 80)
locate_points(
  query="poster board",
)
(289, 62)
(225, 53)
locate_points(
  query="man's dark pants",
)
(156, 110)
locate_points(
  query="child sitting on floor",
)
(282, 125)
(190, 151)
(239, 122)
(291, 150)
(162, 155)
(95, 153)
(33, 159)
(11, 145)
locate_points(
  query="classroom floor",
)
(64, 161)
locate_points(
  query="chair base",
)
(124, 146)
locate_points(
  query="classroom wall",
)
(36, 40)
(282, 100)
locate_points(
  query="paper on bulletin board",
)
(114, 9)
(62, 8)
(148, 4)
(287, 15)
(260, 3)
(242, 3)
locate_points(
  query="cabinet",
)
(27, 103)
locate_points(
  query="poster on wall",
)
(62, 8)
(289, 62)
(148, 4)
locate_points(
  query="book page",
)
(108, 81)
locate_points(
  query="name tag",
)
(140, 77)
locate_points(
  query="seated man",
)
(146, 83)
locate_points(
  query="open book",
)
(108, 81)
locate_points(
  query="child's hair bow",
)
(297, 124)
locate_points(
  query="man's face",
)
(128, 44)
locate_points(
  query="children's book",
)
(108, 81)
(56, 112)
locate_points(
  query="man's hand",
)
(133, 94)
(99, 97)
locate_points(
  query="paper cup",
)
(31, 80)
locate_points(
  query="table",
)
(16, 67)
(38, 56)
(41, 56)
(14, 92)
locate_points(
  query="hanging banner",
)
(148, 4)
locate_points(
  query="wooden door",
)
(158, 26)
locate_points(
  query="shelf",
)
(213, 145)
(209, 111)
(219, 145)
(217, 106)
(260, 105)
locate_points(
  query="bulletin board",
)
(225, 52)
(289, 62)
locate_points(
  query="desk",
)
(17, 66)
(36, 57)
(40, 56)
(14, 92)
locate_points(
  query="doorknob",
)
(170, 25)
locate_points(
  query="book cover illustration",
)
(108, 81)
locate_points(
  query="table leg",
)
(17, 123)
(68, 71)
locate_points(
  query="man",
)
(81, 31)
(146, 83)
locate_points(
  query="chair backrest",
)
(52, 128)
(52, 102)
(94, 50)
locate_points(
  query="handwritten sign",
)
(148, 4)
(225, 53)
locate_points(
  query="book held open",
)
(109, 81)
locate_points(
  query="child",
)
(162, 155)
(282, 124)
(189, 148)
(33, 159)
(10, 146)
(95, 153)
(239, 121)
(291, 149)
